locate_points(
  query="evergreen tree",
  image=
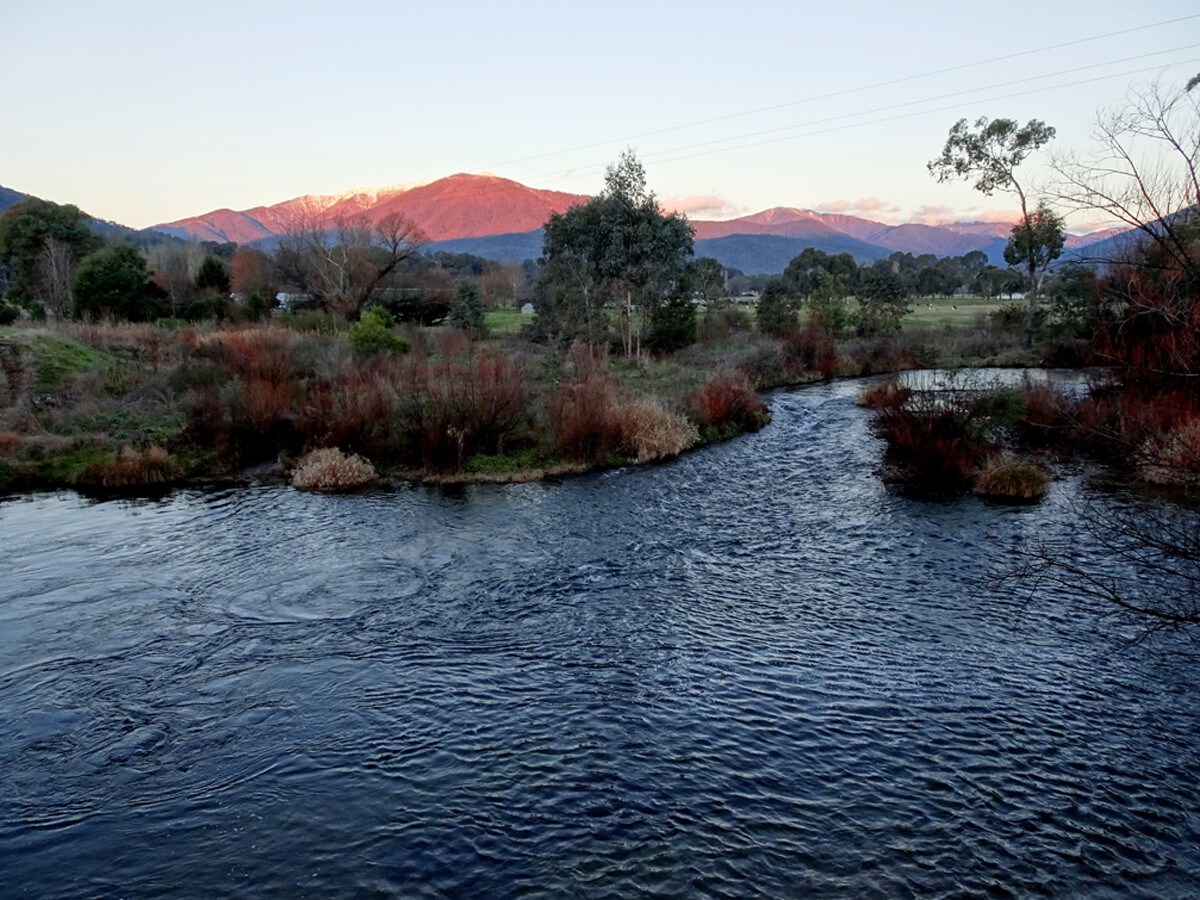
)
(466, 309)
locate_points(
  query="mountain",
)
(9, 197)
(110, 231)
(769, 254)
(501, 219)
(461, 206)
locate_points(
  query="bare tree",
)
(1142, 171)
(56, 268)
(342, 262)
(171, 264)
(1143, 174)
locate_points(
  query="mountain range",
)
(501, 219)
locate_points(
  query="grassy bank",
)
(130, 407)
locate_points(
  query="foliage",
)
(672, 325)
(373, 333)
(618, 248)
(250, 273)
(727, 404)
(585, 419)
(131, 468)
(934, 441)
(346, 262)
(40, 244)
(884, 394)
(883, 300)
(1036, 241)
(652, 432)
(113, 282)
(812, 267)
(213, 277)
(990, 154)
(778, 308)
(706, 280)
(827, 307)
(466, 309)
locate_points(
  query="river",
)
(752, 671)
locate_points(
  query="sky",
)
(147, 112)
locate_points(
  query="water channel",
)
(754, 671)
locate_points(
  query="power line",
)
(845, 92)
(588, 171)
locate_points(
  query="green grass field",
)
(957, 312)
(507, 320)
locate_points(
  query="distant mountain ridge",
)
(501, 219)
(460, 206)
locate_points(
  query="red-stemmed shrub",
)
(934, 442)
(726, 405)
(585, 419)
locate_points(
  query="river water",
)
(752, 671)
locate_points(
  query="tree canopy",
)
(617, 248)
(112, 281)
(27, 229)
(989, 153)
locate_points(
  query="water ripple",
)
(752, 671)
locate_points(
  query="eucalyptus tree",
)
(989, 154)
(618, 249)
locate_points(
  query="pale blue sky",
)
(145, 112)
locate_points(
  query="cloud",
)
(705, 206)
(946, 215)
(864, 206)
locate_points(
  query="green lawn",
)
(958, 312)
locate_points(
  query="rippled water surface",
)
(753, 671)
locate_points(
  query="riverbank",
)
(105, 408)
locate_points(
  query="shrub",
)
(727, 405)
(718, 323)
(372, 334)
(652, 432)
(585, 419)
(1046, 415)
(132, 468)
(1009, 480)
(1172, 457)
(330, 470)
(811, 350)
(934, 441)
(883, 395)
(466, 310)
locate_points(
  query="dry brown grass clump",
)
(653, 432)
(1011, 480)
(132, 468)
(330, 470)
